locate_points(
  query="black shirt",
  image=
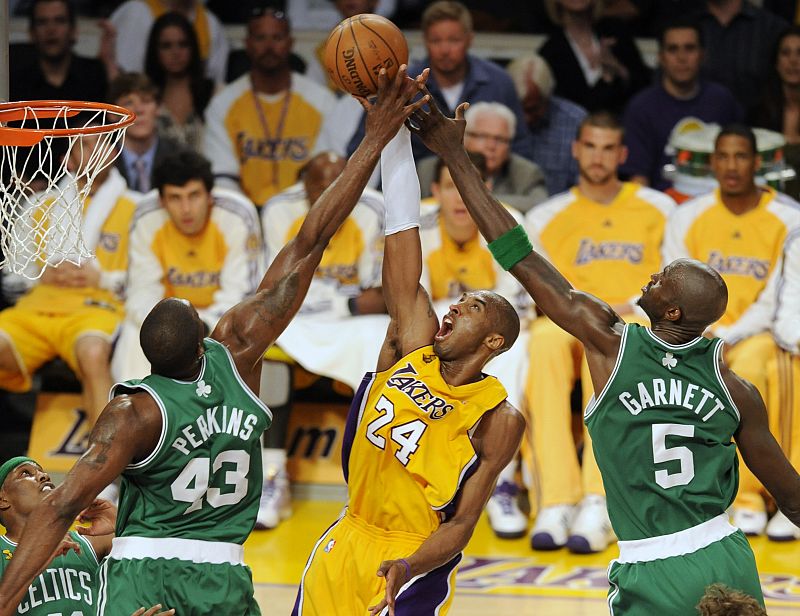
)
(86, 79)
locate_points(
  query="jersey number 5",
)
(192, 485)
(406, 435)
(662, 453)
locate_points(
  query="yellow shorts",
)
(340, 578)
(37, 338)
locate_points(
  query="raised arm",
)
(111, 449)
(760, 450)
(251, 326)
(587, 318)
(413, 321)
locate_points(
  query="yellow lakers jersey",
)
(744, 248)
(215, 268)
(407, 448)
(111, 254)
(260, 140)
(608, 250)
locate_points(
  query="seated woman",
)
(173, 63)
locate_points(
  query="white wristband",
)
(401, 192)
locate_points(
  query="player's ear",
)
(495, 342)
(4, 502)
(673, 313)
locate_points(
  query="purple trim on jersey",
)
(450, 508)
(426, 594)
(353, 419)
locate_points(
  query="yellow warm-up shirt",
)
(214, 269)
(260, 140)
(608, 250)
(111, 257)
(407, 449)
(744, 248)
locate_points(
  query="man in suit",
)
(514, 180)
(144, 150)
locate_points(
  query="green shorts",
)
(676, 584)
(192, 589)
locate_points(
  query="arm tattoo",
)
(278, 300)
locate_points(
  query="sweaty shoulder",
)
(505, 424)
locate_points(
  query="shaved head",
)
(503, 319)
(172, 338)
(688, 292)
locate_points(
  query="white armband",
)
(401, 192)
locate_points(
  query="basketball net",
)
(51, 154)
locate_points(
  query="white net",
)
(44, 186)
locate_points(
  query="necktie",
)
(142, 179)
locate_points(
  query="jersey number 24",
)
(406, 435)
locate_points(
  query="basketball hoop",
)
(51, 152)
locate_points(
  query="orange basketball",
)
(359, 47)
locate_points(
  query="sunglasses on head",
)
(267, 11)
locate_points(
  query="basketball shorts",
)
(36, 338)
(340, 578)
(676, 584)
(192, 589)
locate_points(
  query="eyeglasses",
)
(262, 11)
(496, 139)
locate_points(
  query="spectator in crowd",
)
(596, 63)
(50, 70)
(456, 75)
(133, 20)
(263, 127)
(144, 150)
(779, 107)
(73, 311)
(605, 236)
(188, 240)
(321, 16)
(346, 284)
(783, 373)
(514, 180)
(739, 39)
(739, 230)
(654, 112)
(456, 260)
(553, 121)
(173, 64)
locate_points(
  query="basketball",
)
(359, 47)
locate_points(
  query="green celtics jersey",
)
(661, 432)
(65, 588)
(203, 480)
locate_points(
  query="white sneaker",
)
(751, 522)
(276, 502)
(505, 517)
(552, 527)
(591, 529)
(781, 528)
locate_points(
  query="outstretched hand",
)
(394, 103)
(103, 518)
(438, 132)
(396, 575)
(153, 611)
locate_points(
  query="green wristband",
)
(511, 247)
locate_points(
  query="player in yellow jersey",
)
(739, 230)
(456, 260)
(605, 236)
(72, 312)
(190, 240)
(427, 435)
(263, 127)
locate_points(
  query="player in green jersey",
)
(67, 583)
(666, 413)
(186, 438)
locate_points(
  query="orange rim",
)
(17, 110)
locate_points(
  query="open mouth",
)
(47, 487)
(445, 330)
